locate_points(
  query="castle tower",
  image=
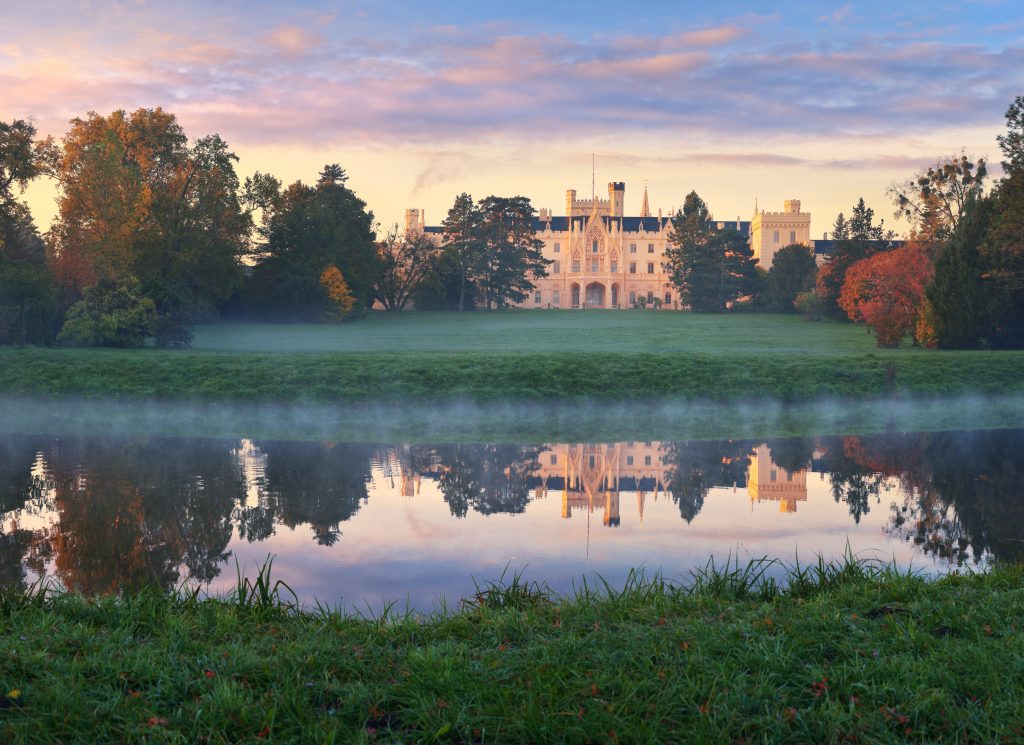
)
(415, 220)
(616, 199)
(645, 208)
(770, 231)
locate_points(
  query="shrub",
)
(28, 305)
(109, 315)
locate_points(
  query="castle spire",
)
(645, 209)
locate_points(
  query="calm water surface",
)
(362, 524)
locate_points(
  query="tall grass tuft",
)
(262, 593)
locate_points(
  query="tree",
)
(444, 287)
(886, 290)
(510, 255)
(933, 201)
(1002, 255)
(339, 296)
(109, 315)
(793, 271)
(1012, 143)
(855, 239)
(307, 229)
(137, 200)
(710, 269)
(959, 294)
(27, 300)
(462, 241)
(406, 262)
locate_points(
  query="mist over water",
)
(578, 420)
(363, 523)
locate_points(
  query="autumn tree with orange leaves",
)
(137, 200)
(886, 291)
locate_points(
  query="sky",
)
(744, 102)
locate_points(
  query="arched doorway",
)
(615, 295)
(575, 295)
(595, 295)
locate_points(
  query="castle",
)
(600, 258)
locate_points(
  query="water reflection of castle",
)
(766, 482)
(591, 477)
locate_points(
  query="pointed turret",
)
(645, 208)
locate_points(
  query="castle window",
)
(593, 247)
(775, 475)
(558, 248)
(629, 460)
(593, 265)
(792, 237)
(555, 299)
(632, 297)
(615, 267)
(650, 267)
(650, 248)
(591, 461)
(668, 298)
(536, 297)
(632, 267)
(557, 268)
(647, 460)
(576, 266)
(554, 460)
(632, 248)
(775, 236)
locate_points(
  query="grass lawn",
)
(847, 654)
(550, 331)
(536, 355)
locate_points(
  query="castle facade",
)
(601, 258)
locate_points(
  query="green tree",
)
(710, 269)
(307, 229)
(462, 241)
(960, 295)
(793, 271)
(511, 256)
(444, 286)
(27, 299)
(1012, 143)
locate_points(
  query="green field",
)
(848, 653)
(515, 355)
(551, 332)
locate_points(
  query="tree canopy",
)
(710, 269)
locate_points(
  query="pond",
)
(359, 525)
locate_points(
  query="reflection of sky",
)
(399, 548)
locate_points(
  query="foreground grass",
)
(849, 653)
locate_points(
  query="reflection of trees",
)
(976, 496)
(322, 484)
(853, 481)
(488, 478)
(131, 512)
(792, 454)
(695, 467)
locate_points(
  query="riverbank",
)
(850, 652)
(437, 377)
